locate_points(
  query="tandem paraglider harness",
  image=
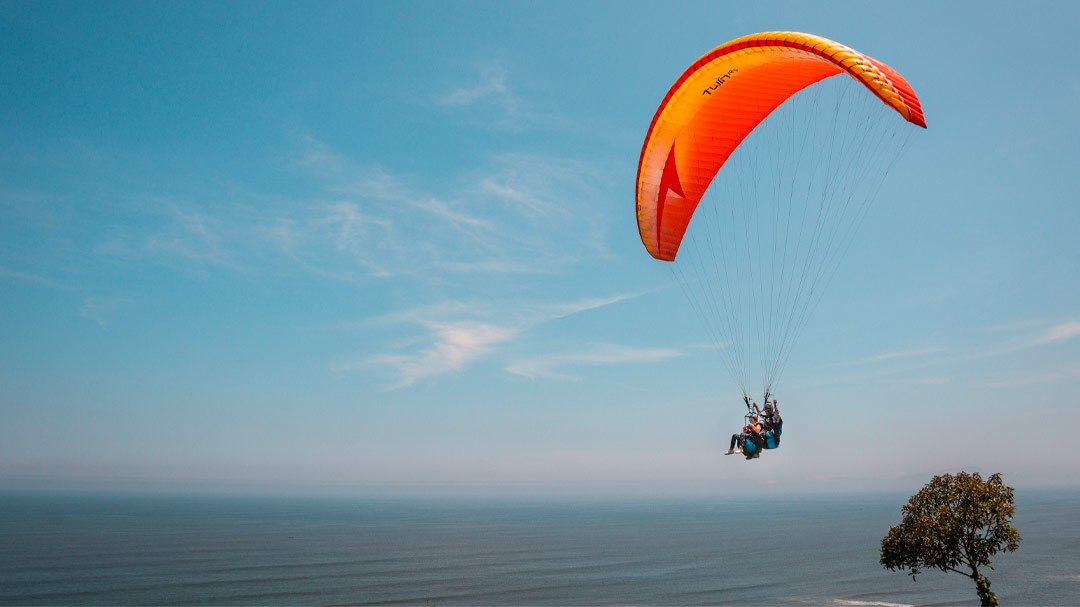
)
(768, 439)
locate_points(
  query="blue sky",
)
(392, 246)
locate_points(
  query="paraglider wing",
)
(720, 99)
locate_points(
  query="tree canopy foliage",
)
(955, 523)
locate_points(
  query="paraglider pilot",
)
(772, 425)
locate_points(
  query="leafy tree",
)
(954, 523)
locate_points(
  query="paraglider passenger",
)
(751, 433)
(753, 438)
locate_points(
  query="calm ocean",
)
(172, 550)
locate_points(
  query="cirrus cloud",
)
(552, 366)
(1062, 332)
(453, 346)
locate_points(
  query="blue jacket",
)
(772, 437)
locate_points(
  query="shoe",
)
(729, 452)
(738, 450)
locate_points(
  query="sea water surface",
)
(83, 549)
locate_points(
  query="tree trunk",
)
(982, 586)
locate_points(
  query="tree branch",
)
(960, 572)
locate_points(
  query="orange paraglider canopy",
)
(719, 100)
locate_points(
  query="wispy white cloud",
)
(101, 309)
(444, 211)
(453, 346)
(523, 198)
(492, 84)
(553, 366)
(518, 214)
(936, 381)
(456, 334)
(1020, 325)
(332, 240)
(1062, 332)
(514, 214)
(1059, 333)
(1024, 336)
(420, 315)
(1030, 380)
(520, 314)
(31, 278)
(193, 235)
(179, 230)
(563, 309)
(495, 98)
(320, 158)
(911, 353)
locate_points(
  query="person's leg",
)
(736, 439)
